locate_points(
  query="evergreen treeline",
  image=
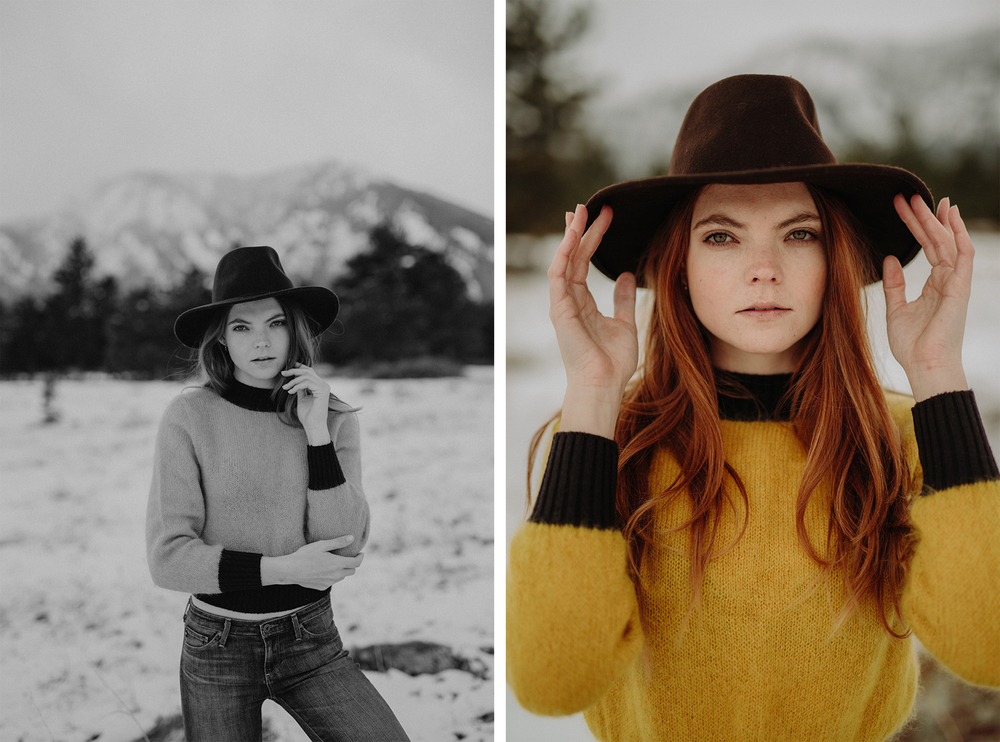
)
(398, 302)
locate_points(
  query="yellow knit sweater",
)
(761, 661)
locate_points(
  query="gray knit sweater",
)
(231, 483)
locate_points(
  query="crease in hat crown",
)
(751, 129)
(246, 274)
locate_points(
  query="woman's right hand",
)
(600, 353)
(311, 566)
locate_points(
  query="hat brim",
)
(320, 305)
(641, 206)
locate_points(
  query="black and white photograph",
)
(246, 370)
(620, 623)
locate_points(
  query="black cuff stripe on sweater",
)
(324, 468)
(239, 570)
(578, 487)
(952, 442)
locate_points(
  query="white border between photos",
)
(499, 372)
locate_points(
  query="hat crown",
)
(248, 272)
(749, 122)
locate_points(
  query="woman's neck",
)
(752, 396)
(249, 397)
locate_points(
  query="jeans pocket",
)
(320, 626)
(197, 640)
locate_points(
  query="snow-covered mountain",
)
(153, 227)
(949, 91)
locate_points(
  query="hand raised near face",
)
(312, 397)
(925, 335)
(599, 353)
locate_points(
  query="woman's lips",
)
(764, 312)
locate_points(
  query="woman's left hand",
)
(925, 335)
(312, 402)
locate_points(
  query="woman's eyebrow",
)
(279, 315)
(805, 216)
(721, 220)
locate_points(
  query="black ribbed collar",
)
(249, 397)
(765, 393)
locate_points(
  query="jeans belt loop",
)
(225, 632)
(297, 627)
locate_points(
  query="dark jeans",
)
(230, 667)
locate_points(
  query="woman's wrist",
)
(591, 410)
(932, 382)
(270, 571)
(318, 436)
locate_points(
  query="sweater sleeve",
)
(175, 514)
(336, 504)
(952, 596)
(572, 615)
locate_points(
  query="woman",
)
(738, 543)
(256, 509)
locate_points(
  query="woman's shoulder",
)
(190, 399)
(340, 407)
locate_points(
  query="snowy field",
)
(536, 383)
(89, 647)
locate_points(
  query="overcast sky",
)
(90, 89)
(633, 45)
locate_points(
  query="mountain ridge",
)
(152, 227)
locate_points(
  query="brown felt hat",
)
(252, 273)
(754, 129)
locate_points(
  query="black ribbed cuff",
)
(324, 468)
(239, 570)
(952, 442)
(578, 487)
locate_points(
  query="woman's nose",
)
(764, 267)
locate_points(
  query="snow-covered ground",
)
(89, 647)
(536, 383)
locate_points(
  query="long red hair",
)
(838, 412)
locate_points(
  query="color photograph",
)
(741, 503)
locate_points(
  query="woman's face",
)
(257, 339)
(756, 271)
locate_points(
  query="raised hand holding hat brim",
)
(925, 335)
(600, 353)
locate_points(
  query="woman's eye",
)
(278, 323)
(802, 234)
(718, 238)
(238, 328)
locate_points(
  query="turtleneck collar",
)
(249, 397)
(763, 402)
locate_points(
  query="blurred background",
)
(138, 142)
(596, 93)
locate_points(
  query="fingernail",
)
(350, 539)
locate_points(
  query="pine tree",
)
(404, 301)
(74, 315)
(551, 160)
